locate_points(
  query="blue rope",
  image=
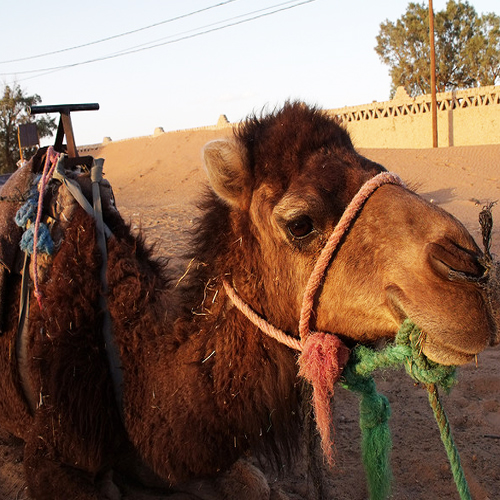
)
(44, 244)
(25, 218)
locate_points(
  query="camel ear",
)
(227, 168)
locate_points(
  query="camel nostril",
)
(453, 262)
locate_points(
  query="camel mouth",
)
(446, 355)
(439, 352)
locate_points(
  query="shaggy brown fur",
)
(202, 386)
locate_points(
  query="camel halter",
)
(322, 355)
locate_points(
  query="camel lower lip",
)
(432, 348)
(445, 355)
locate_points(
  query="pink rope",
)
(322, 355)
(321, 363)
(50, 162)
(260, 322)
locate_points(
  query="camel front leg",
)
(242, 481)
(49, 479)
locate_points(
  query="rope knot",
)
(321, 362)
(417, 365)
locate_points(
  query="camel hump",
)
(13, 195)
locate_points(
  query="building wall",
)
(465, 117)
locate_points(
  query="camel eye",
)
(301, 227)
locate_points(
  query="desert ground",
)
(157, 181)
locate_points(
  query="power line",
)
(141, 48)
(119, 35)
(148, 45)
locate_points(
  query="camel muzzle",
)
(454, 263)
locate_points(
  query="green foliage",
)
(467, 48)
(14, 112)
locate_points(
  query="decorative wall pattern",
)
(465, 117)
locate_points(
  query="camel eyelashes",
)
(301, 227)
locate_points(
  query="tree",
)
(467, 48)
(14, 112)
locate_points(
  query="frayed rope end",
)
(321, 363)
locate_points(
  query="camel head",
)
(285, 179)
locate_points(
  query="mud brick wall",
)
(465, 118)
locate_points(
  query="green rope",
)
(375, 410)
(449, 444)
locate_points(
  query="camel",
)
(200, 387)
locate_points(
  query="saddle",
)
(71, 186)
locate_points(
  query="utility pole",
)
(433, 77)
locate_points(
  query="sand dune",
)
(166, 170)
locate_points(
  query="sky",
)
(319, 51)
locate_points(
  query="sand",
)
(157, 181)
